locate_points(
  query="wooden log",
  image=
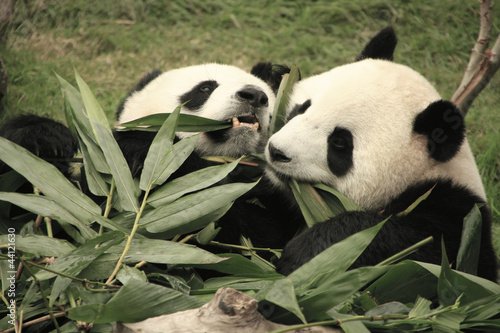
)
(229, 311)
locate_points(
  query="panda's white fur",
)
(163, 93)
(377, 100)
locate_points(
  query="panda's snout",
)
(277, 155)
(253, 95)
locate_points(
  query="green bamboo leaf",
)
(175, 157)
(75, 261)
(127, 273)
(349, 327)
(388, 308)
(490, 286)
(452, 285)
(448, 322)
(311, 204)
(126, 188)
(4, 276)
(186, 123)
(45, 207)
(207, 234)
(316, 302)
(238, 265)
(92, 153)
(92, 106)
(135, 301)
(334, 260)
(421, 308)
(403, 283)
(40, 246)
(282, 293)
(74, 99)
(175, 216)
(282, 98)
(470, 244)
(164, 252)
(49, 180)
(416, 203)
(194, 221)
(9, 182)
(154, 164)
(343, 204)
(191, 182)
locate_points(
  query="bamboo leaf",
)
(416, 203)
(311, 204)
(126, 188)
(49, 180)
(186, 123)
(92, 106)
(238, 265)
(334, 260)
(282, 293)
(176, 156)
(154, 164)
(344, 203)
(74, 98)
(40, 245)
(135, 301)
(403, 283)
(191, 182)
(92, 153)
(127, 273)
(207, 234)
(470, 244)
(164, 252)
(349, 327)
(75, 261)
(282, 98)
(452, 285)
(175, 217)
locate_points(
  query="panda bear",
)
(379, 133)
(215, 91)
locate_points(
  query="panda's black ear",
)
(381, 46)
(443, 125)
(270, 73)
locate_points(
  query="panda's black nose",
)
(253, 95)
(277, 155)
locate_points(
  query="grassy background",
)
(112, 43)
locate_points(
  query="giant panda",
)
(381, 134)
(215, 91)
(224, 93)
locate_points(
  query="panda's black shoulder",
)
(138, 87)
(445, 198)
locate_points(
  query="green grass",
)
(112, 43)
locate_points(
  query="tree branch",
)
(483, 62)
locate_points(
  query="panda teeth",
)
(237, 123)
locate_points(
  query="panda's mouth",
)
(246, 121)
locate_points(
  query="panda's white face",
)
(214, 91)
(353, 129)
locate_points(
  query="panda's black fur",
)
(441, 215)
(55, 143)
(44, 137)
(434, 217)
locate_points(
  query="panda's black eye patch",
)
(299, 109)
(340, 149)
(196, 97)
